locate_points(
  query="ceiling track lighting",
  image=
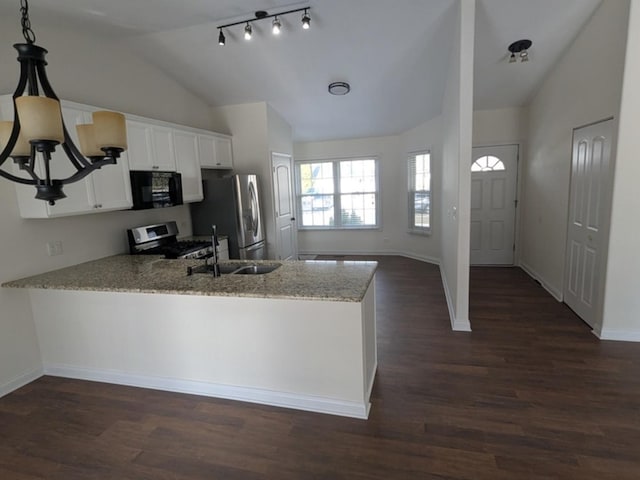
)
(276, 24)
(519, 49)
(38, 129)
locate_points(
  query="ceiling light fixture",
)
(38, 128)
(521, 49)
(339, 88)
(276, 25)
(306, 20)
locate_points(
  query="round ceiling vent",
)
(339, 88)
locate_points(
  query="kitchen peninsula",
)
(302, 336)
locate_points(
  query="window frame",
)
(337, 206)
(412, 191)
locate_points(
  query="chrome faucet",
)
(214, 243)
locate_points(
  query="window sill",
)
(422, 232)
(336, 229)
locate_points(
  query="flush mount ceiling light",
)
(276, 25)
(38, 128)
(339, 88)
(519, 49)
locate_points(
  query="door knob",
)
(293, 219)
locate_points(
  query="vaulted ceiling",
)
(394, 54)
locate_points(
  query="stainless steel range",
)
(161, 239)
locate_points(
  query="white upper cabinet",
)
(188, 164)
(153, 145)
(215, 151)
(150, 146)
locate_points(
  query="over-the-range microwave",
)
(154, 189)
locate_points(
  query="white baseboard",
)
(457, 325)
(618, 335)
(415, 256)
(554, 292)
(309, 403)
(20, 381)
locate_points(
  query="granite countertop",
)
(341, 281)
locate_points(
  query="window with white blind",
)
(419, 168)
(337, 193)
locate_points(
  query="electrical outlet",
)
(54, 248)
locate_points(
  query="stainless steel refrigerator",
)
(233, 205)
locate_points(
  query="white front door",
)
(494, 173)
(287, 241)
(588, 199)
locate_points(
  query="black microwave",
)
(155, 189)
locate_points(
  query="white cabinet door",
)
(150, 147)
(215, 151)
(140, 147)
(207, 150)
(163, 154)
(187, 163)
(80, 196)
(223, 156)
(112, 186)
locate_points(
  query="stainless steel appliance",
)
(155, 189)
(233, 204)
(160, 239)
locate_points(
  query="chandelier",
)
(38, 128)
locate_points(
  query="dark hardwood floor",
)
(529, 394)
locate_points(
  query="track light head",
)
(247, 32)
(276, 26)
(306, 20)
(512, 58)
(221, 39)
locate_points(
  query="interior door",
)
(494, 174)
(589, 193)
(287, 241)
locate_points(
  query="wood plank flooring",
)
(529, 394)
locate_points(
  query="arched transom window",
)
(487, 163)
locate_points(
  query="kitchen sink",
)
(236, 269)
(255, 269)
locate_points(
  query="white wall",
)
(392, 237)
(621, 317)
(280, 139)
(503, 126)
(457, 119)
(257, 130)
(94, 71)
(584, 87)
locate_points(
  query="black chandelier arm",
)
(44, 81)
(13, 178)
